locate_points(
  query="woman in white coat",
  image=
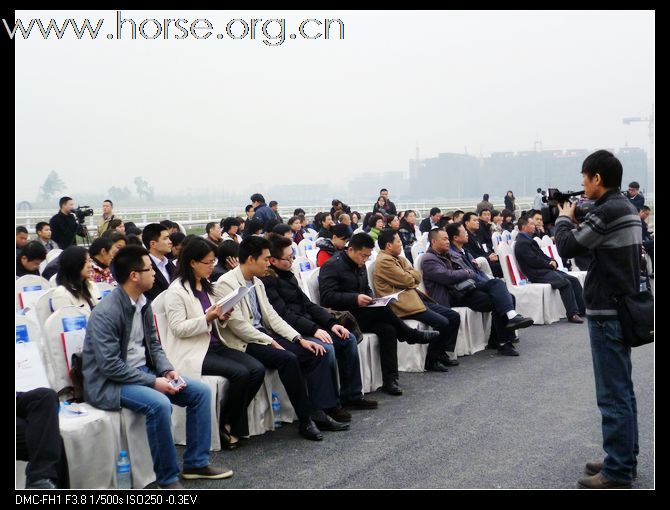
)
(75, 287)
(195, 347)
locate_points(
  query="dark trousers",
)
(444, 320)
(38, 438)
(288, 366)
(389, 328)
(571, 294)
(492, 296)
(317, 372)
(347, 363)
(245, 375)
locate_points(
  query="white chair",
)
(358, 230)
(496, 239)
(302, 278)
(303, 246)
(302, 264)
(417, 250)
(43, 265)
(370, 268)
(53, 254)
(44, 307)
(104, 288)
(313, 285)
(52, 281)
(28, 289)
(294, 249)
(313, 233)
(260, 414)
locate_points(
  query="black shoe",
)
(593, 468)
(308, 430)
(338, 414)
(43, 484)
(515, 340)
(226, 441)
(435, 365)
(507, 350)
(447, 361)
(361, 403)
(518, 322)
(392, 388)
(422, 337)
(325, 422)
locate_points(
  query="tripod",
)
(82, 232)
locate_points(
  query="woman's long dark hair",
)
(195, 249)
(72, 261)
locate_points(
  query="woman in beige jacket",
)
(195, 347)
(75, 287)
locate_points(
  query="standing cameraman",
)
(64, 224)
(613, 234)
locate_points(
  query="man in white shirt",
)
(156, 239)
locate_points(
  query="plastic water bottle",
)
(523, 281)
(276, 407)
(123, 471)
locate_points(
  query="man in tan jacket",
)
(257, 329)
(393, 273)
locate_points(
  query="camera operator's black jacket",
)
(612, 233)
(63, 229)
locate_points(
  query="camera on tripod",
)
(555, 198)
(81, 212)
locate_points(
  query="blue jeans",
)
(157, 408)
(612, 368)
(348, 365)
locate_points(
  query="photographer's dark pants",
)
(38, 438)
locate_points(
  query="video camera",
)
(555, 197)
(81, 212)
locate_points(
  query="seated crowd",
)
(276, 325)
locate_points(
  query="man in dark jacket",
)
(539, 268)
(343, 285)
(262, 211)
(64, 224)
(390, 206)
(316, 323)
(612, 232)
(431, 222)
(446, 264)
(125, 366)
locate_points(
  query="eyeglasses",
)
(207, 262)
(143, 270)
(290, 258)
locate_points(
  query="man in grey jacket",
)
(125, 366)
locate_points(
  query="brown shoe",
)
(207, 472)
(338, 414)
(593, 468)
(576, 319)
(175, 486)
(599, 481)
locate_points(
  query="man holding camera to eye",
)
(612, 232)
(64, 224)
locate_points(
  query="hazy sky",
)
(229, 113)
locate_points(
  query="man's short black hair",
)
(257, 197)
(209, 226)
(299, 211)
(342, 231)
(248, 208)
(152, 232)
(453, 229)
(253, 246)
(22, 230)
(34, 250)
(645, 208)
(432, 234)
(177, 238)
(127, 260)
(485, 209)
(281, 229)
(468, 215)
(434, 211)
(99, 244)
(386, 235)
(486, 196)
(38, 227)
(382, 190)
(278, 243)
(63, 201)
(607, 165)
(634, 185)
(523, 221)
(108, 200)
(360, 241)
(273, 203)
